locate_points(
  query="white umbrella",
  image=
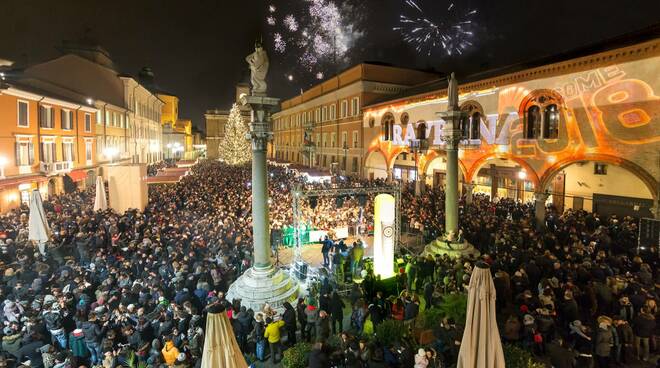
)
(39, 231)
(100, 202)
(481, 346)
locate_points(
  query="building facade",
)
(128, 124)
(581, 133)
(322, 127)
(216, 119)
(177, 133)
(47, 142)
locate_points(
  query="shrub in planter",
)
(516, 357)
(454, 306)
(389, 332)
(297, 355)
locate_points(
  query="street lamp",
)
(3, 163)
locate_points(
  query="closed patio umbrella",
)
(220, 346)
(100, 202)
(38, 228)
(481, 346)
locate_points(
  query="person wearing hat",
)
(604, 342)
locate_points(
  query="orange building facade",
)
(47, 142)
(582, 133)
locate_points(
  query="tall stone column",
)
(451, 189)
(260, 135)
(451, 134)
(539, 208)
(262, 283)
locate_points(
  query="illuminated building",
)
(580, 130)
(47, 141)
(216, 119)
(322, 127)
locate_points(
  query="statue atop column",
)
(452, 93)
(258, 61)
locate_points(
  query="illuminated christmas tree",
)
(235, 148)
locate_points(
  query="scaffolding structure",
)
(300, 193)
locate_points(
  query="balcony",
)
(53, 168)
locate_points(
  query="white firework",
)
(280, 44)
(272, 8)
(271, 20)
(451, 32)
(290, 23)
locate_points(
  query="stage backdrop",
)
(127, 187)
(384, 213)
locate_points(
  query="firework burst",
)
(450, 31)
(315, 34)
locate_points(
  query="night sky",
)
(196, 48)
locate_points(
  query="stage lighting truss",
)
(300, 193)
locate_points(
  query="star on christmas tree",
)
(235, 148)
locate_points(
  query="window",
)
(107, 117)
(600, 169)
(343, 112)
(355, 106)
(542, 115)
(99, 117)
(355, 139)
(421, 130)
(324, 113)
(121, 121)
(551, 122)
(388, 127)
(66, 117)
(88, 151)
(24, 153)
(317, 115)
(333, 112)
(532, 122)
(333, 140)
(344, 140)
(318, 139)
(46, 117)
(325, 141)
(355, 164)
(48, 153)
(475, 125)
(88, 123)
(67, 151)
(23, 114)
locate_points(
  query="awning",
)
(78, 175)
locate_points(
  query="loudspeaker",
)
(301, 270)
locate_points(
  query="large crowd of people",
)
(115, 289)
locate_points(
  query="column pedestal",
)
(263, 282)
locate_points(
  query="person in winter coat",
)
(312, 315)
(170, 352)
(272, 334)
(643, 328)
(93, 332)
(603, 345)
(559, 355)
(302, 318)
(289, 318)
(324, 325)
(337, 312)
(626, 340)
(260, 340)
(77, 344)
